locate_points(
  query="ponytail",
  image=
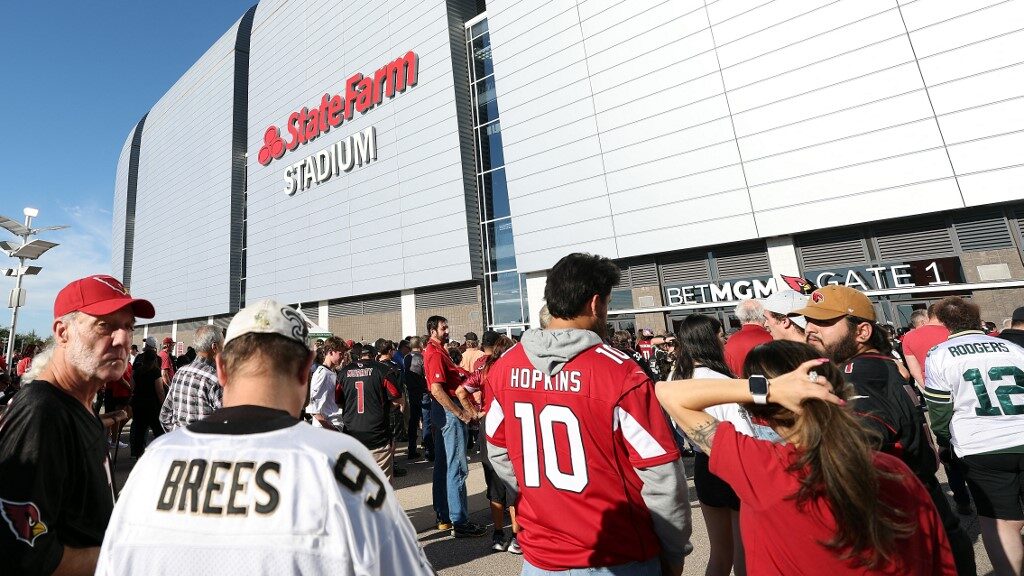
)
(836, 461)
(839, 465)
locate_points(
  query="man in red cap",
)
(55, 479)
(167, 359)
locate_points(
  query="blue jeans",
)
(440, 480)
(454, 433)
(428, 439)
(650, 567)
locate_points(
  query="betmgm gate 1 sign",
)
(867, 278)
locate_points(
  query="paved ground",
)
(472, 556)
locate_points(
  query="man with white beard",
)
(55, 479)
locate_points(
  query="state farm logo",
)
(273, 146)
(362, 93)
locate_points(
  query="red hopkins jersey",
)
(574, 440)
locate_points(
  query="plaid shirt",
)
(195, 392)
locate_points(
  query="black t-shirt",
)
(145, 372)
(414, 381)
(1013, 335)
(367, 390)
(55, 487)
(886, 407)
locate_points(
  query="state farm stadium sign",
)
(362, 94)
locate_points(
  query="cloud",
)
(84, 250)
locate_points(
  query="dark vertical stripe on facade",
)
(129, 211)
(239, 142)
(459, 11)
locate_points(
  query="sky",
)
(75, 78)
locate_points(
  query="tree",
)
(21, 340)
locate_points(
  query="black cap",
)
(471, 336)
(490, 337)
(1018, 314)
(367, 351)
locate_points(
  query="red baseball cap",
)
(99, 295)
(168, 340)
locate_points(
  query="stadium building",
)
(380, 162)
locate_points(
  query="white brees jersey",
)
(983, 377)
(297, 500)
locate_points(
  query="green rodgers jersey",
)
(974, 385)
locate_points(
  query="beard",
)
(85, 361)
(841, 351)
(600, 327)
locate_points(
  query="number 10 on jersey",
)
(573, 481)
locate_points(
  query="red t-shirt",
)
(920, 340)
(122, 388)
(741, 343)
(780, 538)
(166, 364)
(438, 367)
(574, 441)
(474, 382)
(23, 365)
(645, 348)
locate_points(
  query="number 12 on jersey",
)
(573, 481)
(1002, 392)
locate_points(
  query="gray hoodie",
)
(664, 487)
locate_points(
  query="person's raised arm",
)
(685, 400)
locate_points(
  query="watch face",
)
(758, 385)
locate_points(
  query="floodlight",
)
(16, 228)
(31, 212)
(33, 249)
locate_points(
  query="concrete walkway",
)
(473, 556)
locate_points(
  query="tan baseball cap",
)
(834, 301)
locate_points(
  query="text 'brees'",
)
(220, 488)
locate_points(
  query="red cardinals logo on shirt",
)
(801, 285)
(24, 520)
(817, 298)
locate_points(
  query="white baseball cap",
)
(268, 317)
(785, 302)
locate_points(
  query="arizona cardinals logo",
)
(24, 520)
(817, 297)
(112, 283)
(801, 285)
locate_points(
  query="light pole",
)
(28, 250)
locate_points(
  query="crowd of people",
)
(815, 431)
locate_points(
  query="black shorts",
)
(495, 487)
(996, 482)
(712, 490)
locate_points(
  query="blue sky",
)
(75, 77)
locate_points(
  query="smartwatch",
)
(758, 388)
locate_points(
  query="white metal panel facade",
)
(120, 209)
(183, 202)
(639, 127)
(398, 222)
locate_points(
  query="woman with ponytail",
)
(822, 502)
